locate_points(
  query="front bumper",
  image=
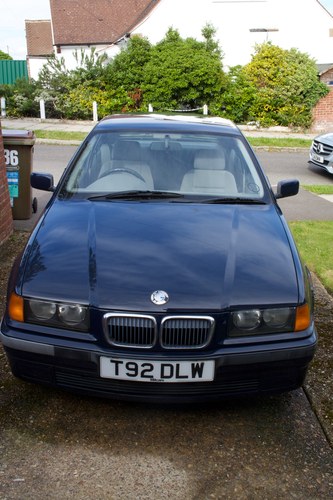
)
(325, 163)
(239, 370)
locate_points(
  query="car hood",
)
(325, 138)
(114, 254)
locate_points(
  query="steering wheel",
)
(126, 171)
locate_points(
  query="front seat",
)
(128, 154)
(208, 175)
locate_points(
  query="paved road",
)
(288, 164)
(284, 164)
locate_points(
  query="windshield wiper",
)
(235, 200)
(136, 195)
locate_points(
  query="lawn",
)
(315, 242)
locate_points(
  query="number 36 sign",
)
(12, 162)
(11, 158)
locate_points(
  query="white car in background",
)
(321, 152)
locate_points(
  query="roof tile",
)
(83, 22)
(39, 38)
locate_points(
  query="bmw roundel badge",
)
(159, 297)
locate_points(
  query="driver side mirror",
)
(44, 182)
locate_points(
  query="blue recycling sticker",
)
(13, 184)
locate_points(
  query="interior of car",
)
(186, 164)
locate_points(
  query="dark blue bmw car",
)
(161, 270)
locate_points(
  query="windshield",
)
(185, 164)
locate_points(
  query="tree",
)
(4, 56)
(212, 46)
(125, 73)
(127, 68)
(278, 87)
(286, 83)
(54, 75)
(70, 93)
(183, 73)
(238, 97)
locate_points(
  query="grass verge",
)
(314, 241)
(280, 142)
(254, 141)
(319, 189)
(58, 135)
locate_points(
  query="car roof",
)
(175, 123)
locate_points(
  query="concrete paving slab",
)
(306, 206)
(327, 197)
(37, 124)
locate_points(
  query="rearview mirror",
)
(287, 188)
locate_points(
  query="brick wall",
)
(6, 219)
(323, 113)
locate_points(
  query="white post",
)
(95, 113)
(3, 106)
(150, 108)
(205, 109)
(42, 109)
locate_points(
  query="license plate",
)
(317, 158)
(157, 371)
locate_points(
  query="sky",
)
(12, 23)
(328, 4)
(15, 12)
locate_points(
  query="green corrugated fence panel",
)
(10, 71)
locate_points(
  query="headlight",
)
(247, 320)
(42, 310)
(59, 315)
(277, 318)
(262, 321)
(72, 314)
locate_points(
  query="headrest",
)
(209, 159)
(105, 153)
(127, 150)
